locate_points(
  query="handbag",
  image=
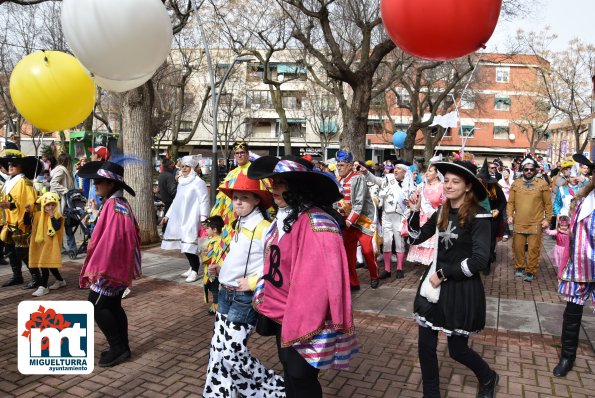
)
(431, 293)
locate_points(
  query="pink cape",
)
(113, 253)
(315, 293)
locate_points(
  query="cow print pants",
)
(233, 371)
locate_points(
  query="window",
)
(225, 99)
(501, 132)
(503, 74)
(502, 104)
(297, 127)
(186, 125)
(375, 127)
(292, 100)
(255, 72)
(403, 98)
(467, 131)
(257, 99)
(290, 72)
(328, 103)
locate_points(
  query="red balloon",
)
(440, 29)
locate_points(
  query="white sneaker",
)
(187, 273)
(58, 285)
(41, 291)
(192, 277)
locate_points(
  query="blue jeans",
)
(236, 306)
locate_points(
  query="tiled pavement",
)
(170, 333)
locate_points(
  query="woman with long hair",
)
(113, 258)
(304, 296)
(62, 181)
(577, 278)
(451, 297)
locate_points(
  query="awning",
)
(290, 68)
(329, 126)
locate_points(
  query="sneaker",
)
(384, 274)
(58, 285)
(399, 274)
(528, 277)
(374, 283)
(360, 265)
(519, 272)
(488, 390)
(187, 273)
(41, 291)
(505, 238)
(192, 277)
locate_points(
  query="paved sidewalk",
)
(170, 333)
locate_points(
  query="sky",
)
(567, 18)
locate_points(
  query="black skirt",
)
(461, 308)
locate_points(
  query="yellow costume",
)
(46, 243)
(19, 192)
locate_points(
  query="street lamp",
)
(215, 98)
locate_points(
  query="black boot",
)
(35, 279)
(488, 390)
(17, 275)
(571, 328)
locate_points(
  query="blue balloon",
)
(399, 139)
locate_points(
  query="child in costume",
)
(562, 248)
(232, 370)
(212, 257)
(113, 258)
(47, 233)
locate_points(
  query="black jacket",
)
(167, 187)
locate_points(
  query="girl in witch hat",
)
(18, 192)
(113, 257)
(451, 296)
(304, 297)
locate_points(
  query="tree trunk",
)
(355, 123)
(407, 151)
(136, 132)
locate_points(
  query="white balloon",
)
(120, 86)
(120, 40)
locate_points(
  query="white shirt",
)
(246, 250)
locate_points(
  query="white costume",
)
(189, 208)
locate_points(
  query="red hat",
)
(101, 151)
(243, 183)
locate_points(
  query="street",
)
(170, 333)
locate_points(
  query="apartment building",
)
(497, 115)
(561, 141)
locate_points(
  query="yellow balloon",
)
(51, 90)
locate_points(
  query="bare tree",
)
(322, 111)
(567, 81)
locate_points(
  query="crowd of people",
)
(281, 245)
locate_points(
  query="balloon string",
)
(463, 139)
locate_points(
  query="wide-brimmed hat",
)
(30, 166)
(105, 171)
(243, 183)
(468, 171)
(299, 173)
(582, 159)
